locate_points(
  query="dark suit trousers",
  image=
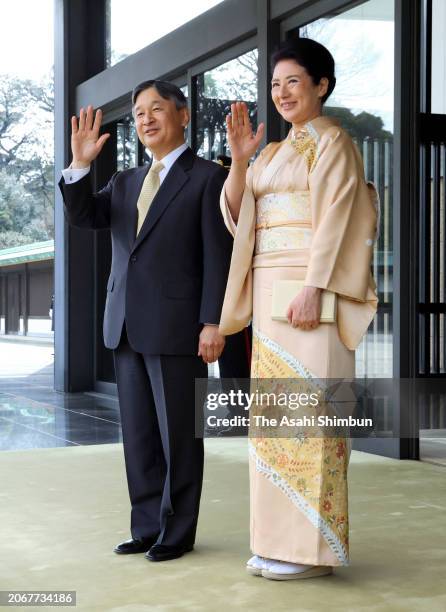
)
(163, 458)
(235, 360)
(235, 364)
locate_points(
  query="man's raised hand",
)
(86, 144)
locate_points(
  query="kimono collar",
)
(306, 140)
(316, 126)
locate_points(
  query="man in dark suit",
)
(171, 255)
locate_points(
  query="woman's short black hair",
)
(166, 90)
(311, 55)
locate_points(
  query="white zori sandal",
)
(257, 564)
(280, 570)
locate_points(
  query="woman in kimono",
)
(301, 211)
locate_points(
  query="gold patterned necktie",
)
(148, 192)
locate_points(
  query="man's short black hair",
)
(311, 55)
(166, 90)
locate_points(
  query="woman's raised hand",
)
(242, 141)
(86, 144)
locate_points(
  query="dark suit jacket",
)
(169, 280)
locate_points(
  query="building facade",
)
(390, 96)
(26, 289)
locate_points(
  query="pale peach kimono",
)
(307, 213)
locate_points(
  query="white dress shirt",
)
(72, 175)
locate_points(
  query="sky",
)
(26, 44)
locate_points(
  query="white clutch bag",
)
(284, 291)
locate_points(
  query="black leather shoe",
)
(161, 552)
(131, 547)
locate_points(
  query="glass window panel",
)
(126, 144)
(216, 90)
(362, 43)
(134, 24)
(438, 55)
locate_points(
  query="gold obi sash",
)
(283, 222)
